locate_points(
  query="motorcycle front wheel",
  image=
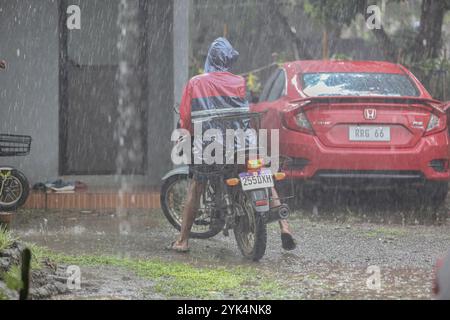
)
(14, 190)
(173, 196)
(250, 232)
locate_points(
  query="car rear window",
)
(358, 84)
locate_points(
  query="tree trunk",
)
(428, 43)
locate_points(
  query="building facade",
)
(63, 86)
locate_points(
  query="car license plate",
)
(256, 180)
(369, 133)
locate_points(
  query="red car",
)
(359, 123)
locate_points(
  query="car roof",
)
(319, 66)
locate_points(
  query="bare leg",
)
(189, 211)
(284, 225)
(287, 240)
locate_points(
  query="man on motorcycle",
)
(215, 92)
(2, 64)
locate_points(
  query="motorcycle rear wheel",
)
(250, 233)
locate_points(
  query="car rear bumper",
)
(314, 161)
(368, 179)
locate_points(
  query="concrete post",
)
(180, 48)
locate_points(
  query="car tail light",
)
(295, 118)
(436, 124)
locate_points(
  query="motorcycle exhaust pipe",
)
(284, 212)
(279, 213)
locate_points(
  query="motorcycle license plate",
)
(256, 180)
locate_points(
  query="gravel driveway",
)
(344, 252)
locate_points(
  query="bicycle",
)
(14, 186)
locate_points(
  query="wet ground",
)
(340, 246)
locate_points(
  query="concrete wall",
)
(29, 87)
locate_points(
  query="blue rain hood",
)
(221, 56)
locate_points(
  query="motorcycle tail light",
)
(261, 203)
(255, 164)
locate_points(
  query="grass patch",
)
(6, 239)
(13, 278)
(3, 296)
(37, 255)
(174, 279)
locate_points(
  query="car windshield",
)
(358, 84)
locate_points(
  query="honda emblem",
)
(370, 114)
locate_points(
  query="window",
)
(278, 87)
(358, 84)
(268, 86)
(274, 87)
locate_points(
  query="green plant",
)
(12, 278)
(253, 83)
(6, 239)
(3, 296)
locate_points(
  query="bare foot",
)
(178, 246)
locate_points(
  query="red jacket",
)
(212, 93)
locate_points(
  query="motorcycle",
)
(234, 197)
(14, 186)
